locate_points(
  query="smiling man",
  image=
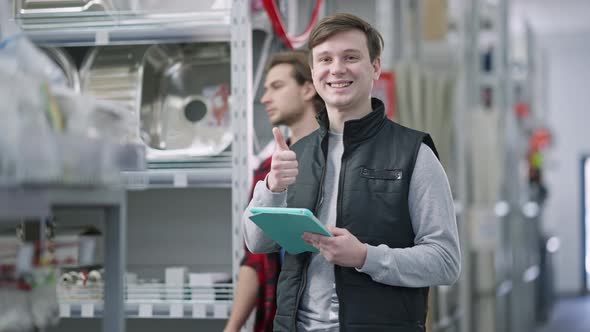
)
(376, 185)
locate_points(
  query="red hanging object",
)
(384, 89)
(522, 109)
(540, 139)
(276, 20)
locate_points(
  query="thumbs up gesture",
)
(284, 167)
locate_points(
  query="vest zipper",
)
(341, 304)
(320, 199)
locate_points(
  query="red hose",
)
(276, 20)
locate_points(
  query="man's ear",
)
(376, 68)
(308, 91)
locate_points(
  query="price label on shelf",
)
(24, 258)
(176, 310)
(145, 310)
(87, 310)
(180, 180)
(136, 180)
(220, 311)
(102, 37)
(199, 310)
(64, 310)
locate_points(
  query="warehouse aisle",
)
(571, 315)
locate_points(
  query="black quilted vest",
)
(377, 164)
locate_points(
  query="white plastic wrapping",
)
(27, 149)
(14, 311)
(51, 135)
(30, 60)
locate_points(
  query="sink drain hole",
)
(195, 110)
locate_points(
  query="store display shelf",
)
(31, 202)
(184, 309)
(151, 301)
(179, 178)
(127, 28)
(488, 79)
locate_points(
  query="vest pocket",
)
(381, 180)
(382, 174)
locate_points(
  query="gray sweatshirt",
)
(434, 260)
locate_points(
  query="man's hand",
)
(284, 167)
(342, 249)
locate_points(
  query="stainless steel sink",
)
(178, 94)
(114, 73)
(66, 64)
(49, 7)
(184, 110)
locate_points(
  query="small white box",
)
(207, 278)
(202, 284)
(145, 310)
(144, 291)
(176, 276)
(130, 278)
(175, 281)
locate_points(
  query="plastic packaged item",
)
(8, 127)
(22, 54)
(103, 144)
(28, 297)
(14, 311)
(43, 299)
(30, 60)
(25, 134)
(51, 135)
(93, 118)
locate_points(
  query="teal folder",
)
(287, 225)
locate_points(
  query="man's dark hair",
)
(301, 71)
(342, 22)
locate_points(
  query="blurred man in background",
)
(290, 99)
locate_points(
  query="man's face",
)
(283, 98)
(342, 71)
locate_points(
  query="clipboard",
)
(287, 225)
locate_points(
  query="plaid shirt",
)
(267, 267)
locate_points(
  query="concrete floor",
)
(569, 315)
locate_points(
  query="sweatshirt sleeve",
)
(435, 258)
(256, 241)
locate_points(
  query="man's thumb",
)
(281, 143)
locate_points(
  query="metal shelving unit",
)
(128, 28)
(21, 203)
(151, 301)
(179, 178)
(176, 310)
(232, 25)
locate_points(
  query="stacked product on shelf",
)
(53, 142)
(49, 133)
(29, 283)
